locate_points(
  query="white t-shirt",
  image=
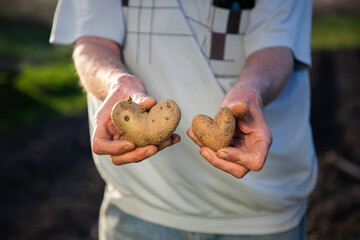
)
(192, 52)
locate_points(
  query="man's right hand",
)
(101, 70)
(107, 141)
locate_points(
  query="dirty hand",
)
(252, 138)
(107, 141)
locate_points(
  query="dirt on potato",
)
(143, 127)
(215, 133)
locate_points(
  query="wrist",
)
(124, 85)
(252, 95)
(244, 93)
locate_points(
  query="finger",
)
(232, 168)
(169, 142)
(239, 108)
(105, 146)
(143, 100)
(175, 138)
(253, 159)
(137, 155)
(190, 133)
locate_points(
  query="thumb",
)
(239, 108)
(143, 100)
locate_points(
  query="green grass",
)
(54, 85)
(41, 82)
(336, 33)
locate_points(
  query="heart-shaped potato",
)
(215, 133)
(143, 127)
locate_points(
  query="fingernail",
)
(257, 154)
(223, 155)
(239, 108)
(233, 104)
(128, 148)
(150, 152)
(205, 154)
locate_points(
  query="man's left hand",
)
(252, 138)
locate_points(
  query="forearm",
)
(102, 73)
(99, 66)
(266, 73)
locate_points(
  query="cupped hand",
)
(252, 138)
(107, 141)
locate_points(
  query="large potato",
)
(143, 127)
(215, 133)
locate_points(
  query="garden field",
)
(51, 187)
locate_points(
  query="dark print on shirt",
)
(218, 31)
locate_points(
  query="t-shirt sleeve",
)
(76, 18)
(281, 23)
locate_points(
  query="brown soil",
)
(51, 189)
(334, 211)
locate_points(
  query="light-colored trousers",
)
(114, 224)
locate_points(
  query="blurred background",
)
(50, 187)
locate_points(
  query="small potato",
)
(215, 133)
(143, 127)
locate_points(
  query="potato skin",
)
(145, 128)
(215, 133)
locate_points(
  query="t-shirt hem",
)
(256, 225)
(69, 40)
